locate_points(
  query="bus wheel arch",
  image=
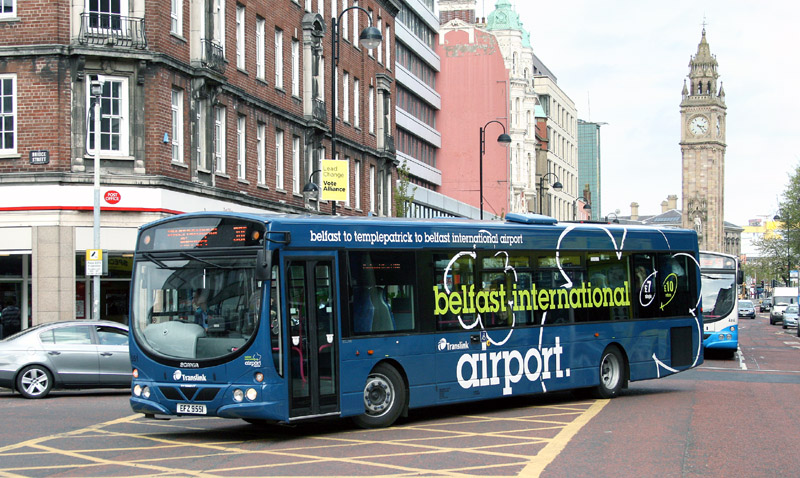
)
(613, 372)
(385, 396)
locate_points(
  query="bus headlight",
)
(722, 336)
(251, 394)
(137, 390)
(146, 392)
(238, 395)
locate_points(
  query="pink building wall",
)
(474, 87)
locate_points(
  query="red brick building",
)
(205, 105)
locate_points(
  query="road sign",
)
(94, 262)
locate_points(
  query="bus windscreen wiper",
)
(160, 264)
(212, 264)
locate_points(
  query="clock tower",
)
(703, 149)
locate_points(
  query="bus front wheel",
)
(385, 397)
(612, 373)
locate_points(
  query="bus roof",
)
(518, 231)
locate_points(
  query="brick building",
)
(205, 105)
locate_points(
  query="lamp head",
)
(310, 191)
(558, 186)
(587, 206)
(370, 38)
(504, 140)
(95, 85)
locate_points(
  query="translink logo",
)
(444, 345)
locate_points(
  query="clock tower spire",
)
(703, 145)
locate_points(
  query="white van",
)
(782, 297)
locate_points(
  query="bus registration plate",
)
(192, 408)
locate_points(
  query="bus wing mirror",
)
(263, 265)
(740, 277)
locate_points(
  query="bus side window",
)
(677, 285)
(456, 276)
(383, 285)
(610, 274)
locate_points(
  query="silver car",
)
(790, 316)
(72, 354)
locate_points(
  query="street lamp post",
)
(556, 185)
(503, 139)
(586, 205)
(369, 38)
(96, 92)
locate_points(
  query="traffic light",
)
(774, 283)
(762, 283)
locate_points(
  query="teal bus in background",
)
(282, 318)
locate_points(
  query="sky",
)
(624, 63)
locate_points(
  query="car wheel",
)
(34, 381)
(385, 398)
(612, 373)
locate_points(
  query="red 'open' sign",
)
(112, 197)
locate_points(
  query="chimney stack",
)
(672, 199)
(634, 211)
(664, 207)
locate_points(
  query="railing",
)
(112, 30)
(213, 55)
(319, 113)
(388, 144)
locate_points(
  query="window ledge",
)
(110, 158)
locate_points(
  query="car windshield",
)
(792, 309)
(745, 303)
(195, 308)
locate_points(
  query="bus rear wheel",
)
(385, 397)
(612, 373)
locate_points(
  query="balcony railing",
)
(213, 55)
(388, 144)
(319, 112)
(112, 30)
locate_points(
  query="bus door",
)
(313, 333)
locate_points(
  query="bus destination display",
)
(201, 234)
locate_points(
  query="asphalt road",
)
(729, 417)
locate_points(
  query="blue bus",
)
(282, 318)
(720, 281)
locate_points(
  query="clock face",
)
(699, 125)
